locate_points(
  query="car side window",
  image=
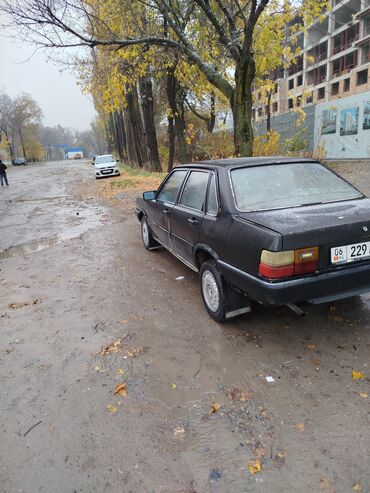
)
(170, 189)
(212, 203)
(194, 191)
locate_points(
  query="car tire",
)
(147, 236)
(213, 290)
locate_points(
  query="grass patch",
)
(131, 179)
(136, 179)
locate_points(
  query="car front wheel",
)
(212, 289)
(146, 235)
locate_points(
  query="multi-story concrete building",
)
(331, 81)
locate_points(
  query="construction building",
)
(330, 81)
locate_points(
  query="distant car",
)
(274, 230)
(20, 161)
(106, 165)
(78, 156)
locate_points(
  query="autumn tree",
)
(26, 112)
(202, 31)
(6, 123)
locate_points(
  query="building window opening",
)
(335, 88)
(362, 77)
(346, 84)
(321, 93)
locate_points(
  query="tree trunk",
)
(134, 129)
(268, 112)
(120, 136)
(10, 146)
(22, 142)
(110, 135)
(147, 106)
(241, 104)
(212, 117)
(171, 143)
(177, 113)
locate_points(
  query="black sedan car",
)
(274, 230)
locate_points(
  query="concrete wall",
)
(342, 129)
(285, 125)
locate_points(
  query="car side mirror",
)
(149, 195)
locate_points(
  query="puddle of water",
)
(29, 247)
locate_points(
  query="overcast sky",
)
(56, 92)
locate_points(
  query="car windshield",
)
(288, 185)
(104, 159)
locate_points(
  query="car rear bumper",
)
(320, 288)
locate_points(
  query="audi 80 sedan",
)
(274, 230)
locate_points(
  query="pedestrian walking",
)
(3, 177)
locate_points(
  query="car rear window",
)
(104, 159)
(288, 185)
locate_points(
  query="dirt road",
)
(84, 308)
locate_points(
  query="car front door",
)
(187, 215)
(160, 209)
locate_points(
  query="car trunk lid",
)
(323, 225)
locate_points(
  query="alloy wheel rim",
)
(210, 291)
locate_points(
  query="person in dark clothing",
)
(3, 177)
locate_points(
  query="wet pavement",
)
(84, 308)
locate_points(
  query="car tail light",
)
(306, 260)
(275, 265)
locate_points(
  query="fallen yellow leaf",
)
(120, 389)
(326, 485)
(173, 386)
(112, 409)
(120, 371)
(363, 395)
(215, 406)
(114, 347)
(299, 426)
(254, 466)
(311, 346)
(356, 487)
(338, 318)
(179, 430)
(357, 375)
(123, 321)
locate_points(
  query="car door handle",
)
(192, 220)
(165, 211)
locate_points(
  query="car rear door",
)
(187, 215)
(160, 209)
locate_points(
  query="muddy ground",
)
(84, 307)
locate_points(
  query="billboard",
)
(366, 123)
(329, 121)
(349, 121)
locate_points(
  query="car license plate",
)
(350, 253)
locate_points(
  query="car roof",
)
(104, 155)
(248, 161)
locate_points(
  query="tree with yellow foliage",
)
(218, 37)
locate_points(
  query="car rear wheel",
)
(212, 289)
(146, 235)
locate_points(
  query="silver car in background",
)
(106, 165)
